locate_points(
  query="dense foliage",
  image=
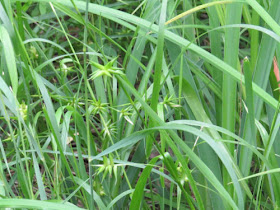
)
(153, 104)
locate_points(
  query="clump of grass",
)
(139, 104)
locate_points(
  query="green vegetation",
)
(152, 104)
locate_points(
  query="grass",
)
(139, 104)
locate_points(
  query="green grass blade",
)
(25, 203)
(139, 189)
(158, 69)
(10, 57)
(249, 94)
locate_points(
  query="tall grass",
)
(139, 104)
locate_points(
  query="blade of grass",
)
(10, 57)
(249, 95)
(25, 203)
(231, 49)
(139, 189)
(158, 70)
